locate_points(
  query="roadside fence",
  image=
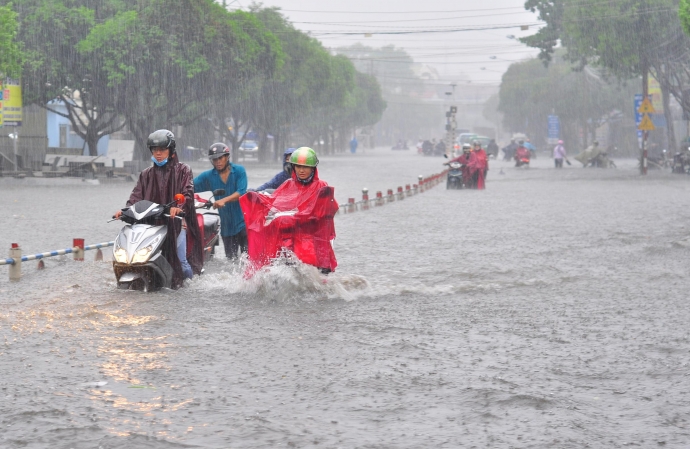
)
(380, 199)
(16, 259)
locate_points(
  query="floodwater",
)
(549, 311)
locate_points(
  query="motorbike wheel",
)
(124, 285)
(140, 284)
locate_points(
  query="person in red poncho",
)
(297, 217)
(482, 165)
(159, 184)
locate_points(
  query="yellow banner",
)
(12, 102)
(654, 91)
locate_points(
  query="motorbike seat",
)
(211, 224)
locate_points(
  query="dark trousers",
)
(235, 243)
(558, 162)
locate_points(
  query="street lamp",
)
(14, 136)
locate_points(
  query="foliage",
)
(684, 15)
(10, 52)
(530, 92)
(154, 64)
(546, 39)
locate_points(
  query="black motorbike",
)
(454, 178)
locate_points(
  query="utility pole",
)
(645, 133)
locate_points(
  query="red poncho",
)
(297, 217)
(482, 167)
(160, 185)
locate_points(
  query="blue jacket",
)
(231, 217)
(275, 182)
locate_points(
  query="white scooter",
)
(138, 260)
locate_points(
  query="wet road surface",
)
(549, 311)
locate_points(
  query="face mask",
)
(161, 163)
(287, 167)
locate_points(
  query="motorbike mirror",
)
(179, 199)
(445, 155)
(218, 192)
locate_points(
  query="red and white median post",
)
(365, 198)
(351, 206)
(16, 267)
(78, 249)
(379, 198)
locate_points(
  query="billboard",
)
(11, 102)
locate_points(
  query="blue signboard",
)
(554, 132)
(638, 116)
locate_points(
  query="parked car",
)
(249, 148)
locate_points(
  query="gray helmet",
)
(161, 139)
(217, 150)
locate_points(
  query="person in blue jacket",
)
(233, 179)
(281, 176)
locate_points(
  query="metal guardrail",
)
(16, 259)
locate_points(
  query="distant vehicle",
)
(471, 137)
(249, 148)
(466, 138)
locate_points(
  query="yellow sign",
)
(646, 107)
(12, 102)
(654, 91)
(646, 124)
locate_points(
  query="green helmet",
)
(304, 156)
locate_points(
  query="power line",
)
(421, 31)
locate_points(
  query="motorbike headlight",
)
(142, 255)
(120, 255)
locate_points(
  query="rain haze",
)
(509, 264)
(480, 49)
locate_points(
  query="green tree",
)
(546, 39)
(583, 99)
(53, 69)
(627, 38)
(312, 93)
(10, 52)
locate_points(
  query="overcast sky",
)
(479, 56)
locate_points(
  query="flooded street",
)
(548, 311)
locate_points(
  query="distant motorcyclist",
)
(469, 165)
(440, 148)
(281, 176)
(233, 179)
(509, 150)
(532, 149)
(522, 154)
(427, 147)
(681, 161)
(159, 184)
